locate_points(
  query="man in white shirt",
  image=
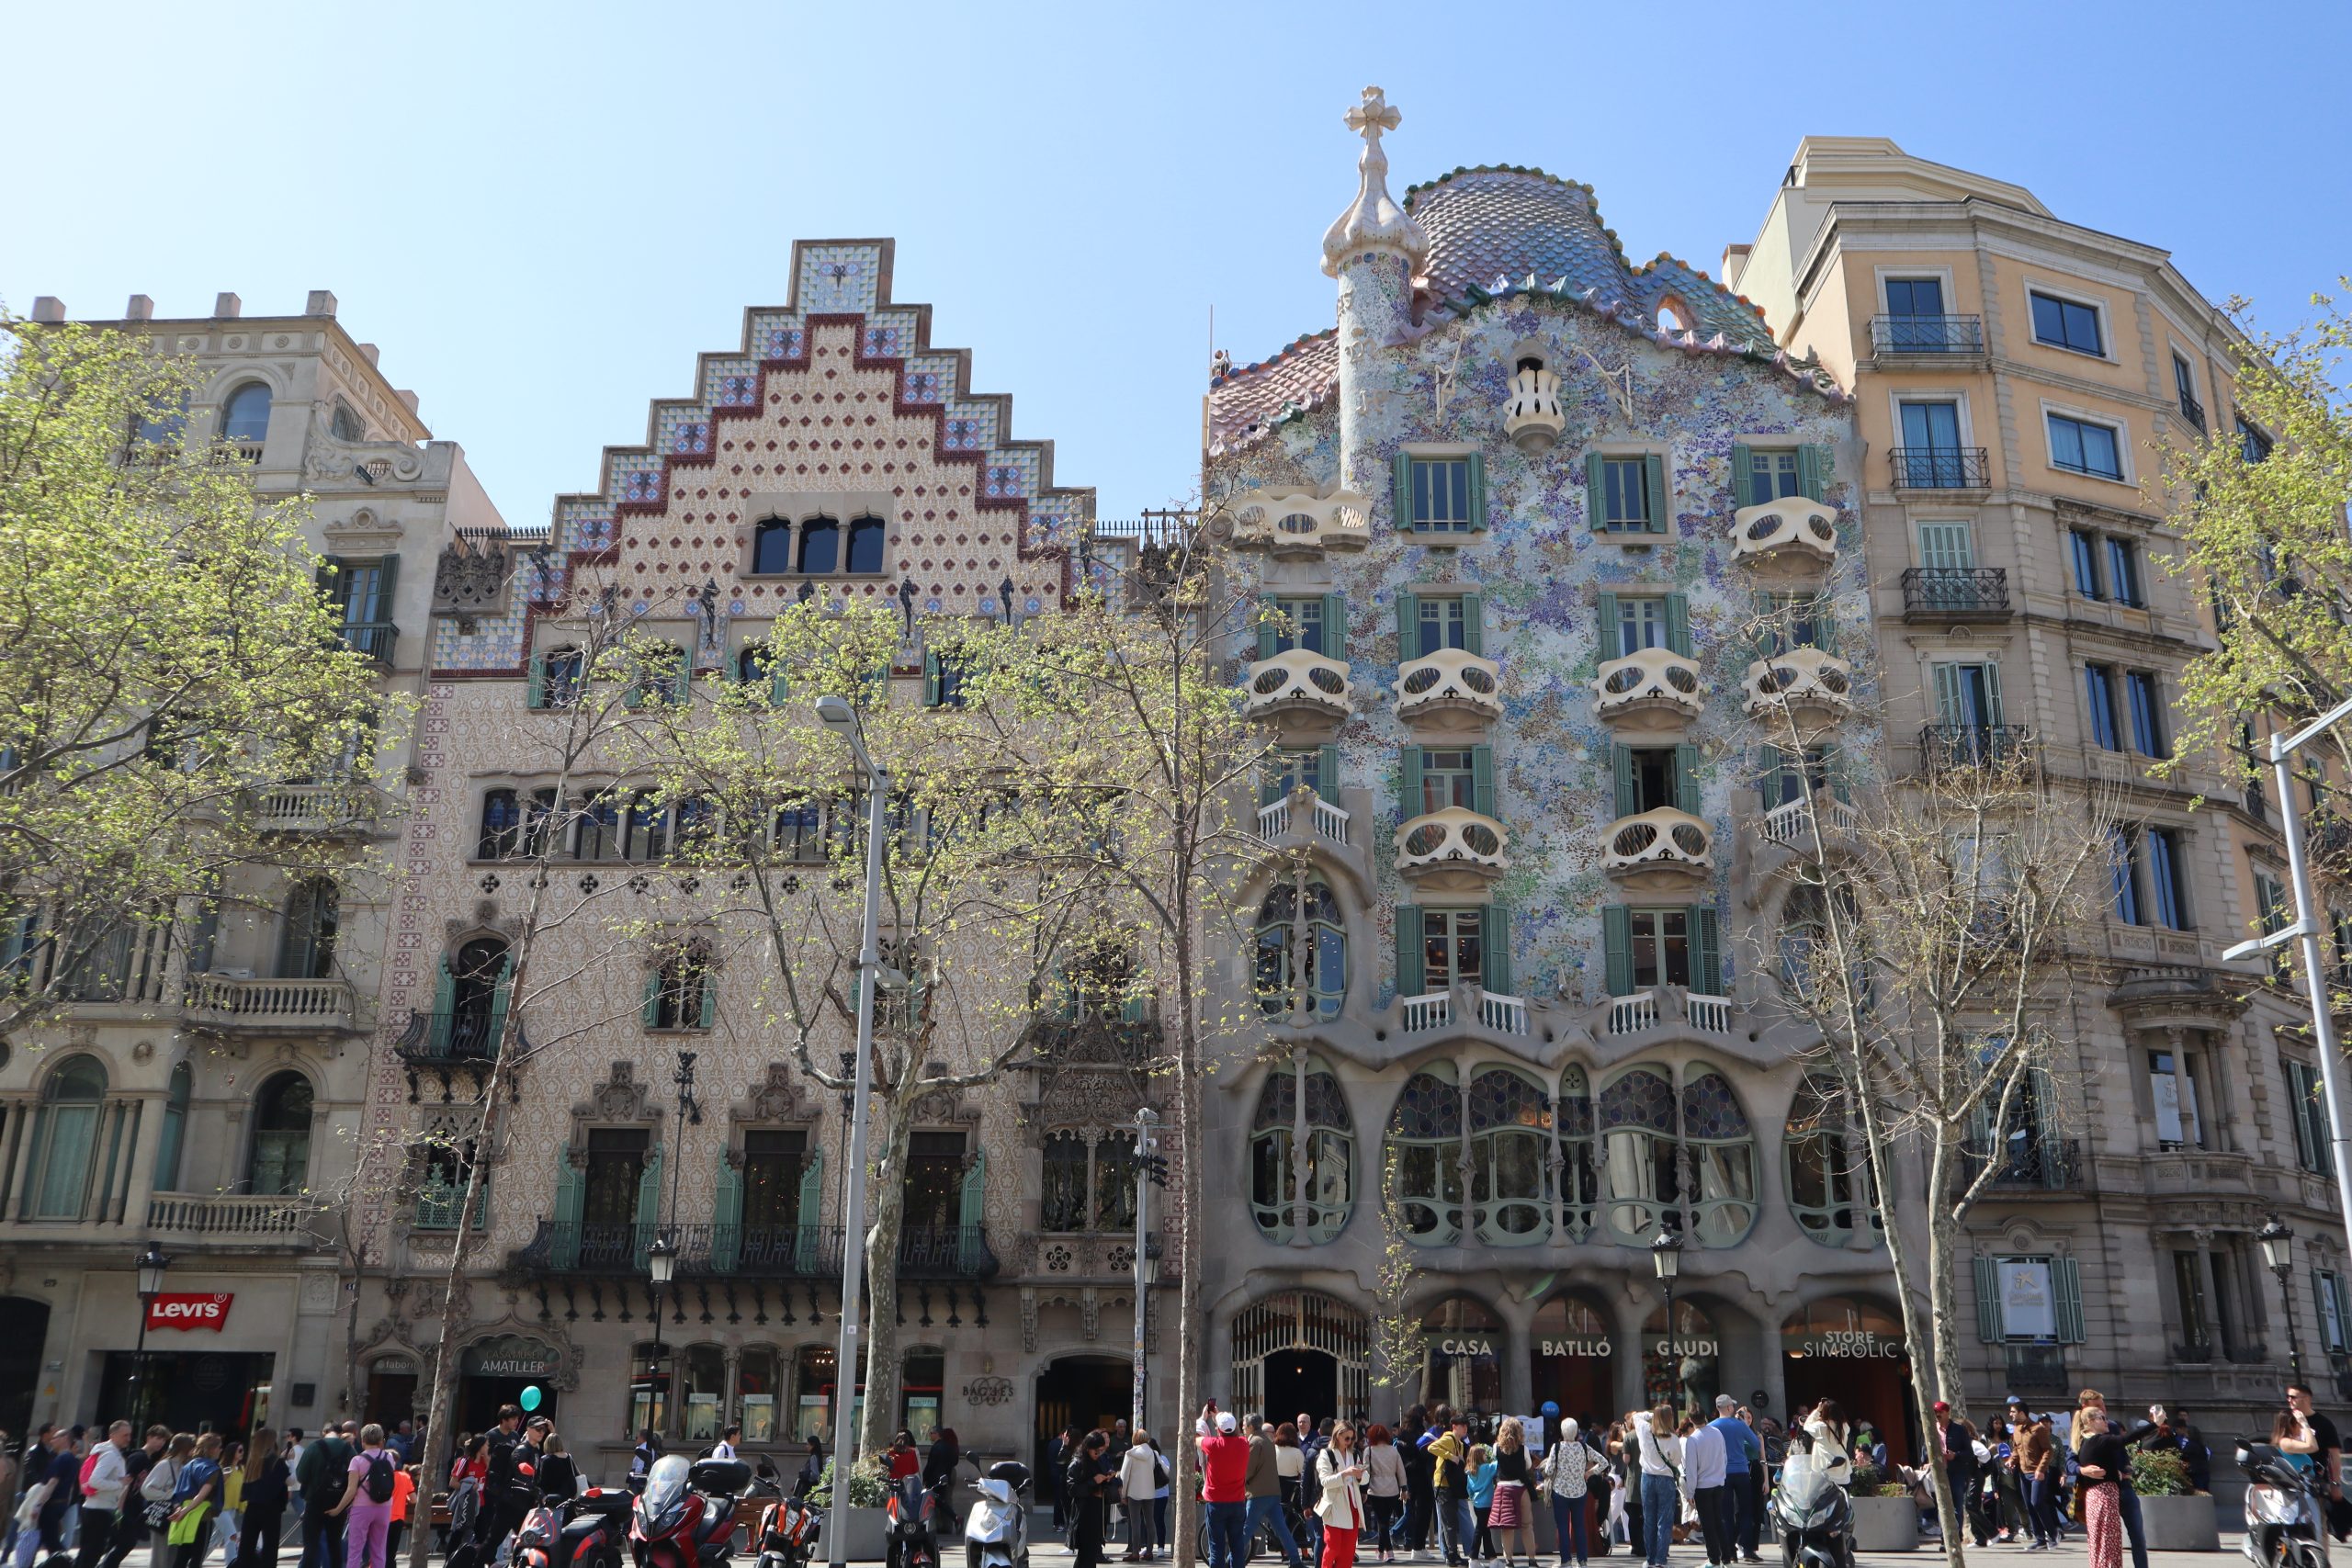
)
(725, 1447)
(1705, 1465)
(102, 1495)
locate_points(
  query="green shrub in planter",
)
(869, 1487)
(1890, 1489)
(2159, 1472)
(1865, 1480)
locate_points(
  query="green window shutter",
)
(1661, 501)
(969, 1212)
(1327, 773)
(1403, 502)
(2320, 1304)
(778, 688)
(709, 997)
(1477, 491)
(1335, 626)
(651, 1010)
(1743, 465)
(1824, 624)
(1706, 952)
(1496, 952)
(1947, 710)
(1482, 779)
(1268, 632)
(726, 1216)
(679, 689)
(1409, 628)
(1767, 776)
(1813, 472)
(445, 1003)
(1474, 624)
(1412, 977)
(1620, 762)
(2067, 1286)
(812, 1204)
(1992, 692)
(1678, 624)
(1686, 779)
(648, 1203)
(1764, 632)
(1270, 783)
(930, 677)
(1617, 942)
(1612, 646)
(1596, 492)
(1408, 784)
(1988, 1301)
(536, 694)
(388, 582)
(501, 992)
(570, 1201)
(329, 572)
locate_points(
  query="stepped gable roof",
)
(1245, 403)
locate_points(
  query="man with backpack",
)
(326, 1463)
(105, 1477)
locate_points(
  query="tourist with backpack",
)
(366, 1506)
(320, 1472)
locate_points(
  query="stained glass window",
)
(1329, 1175)
(1511, 1149)
(1579, 1181)
(1638, 1155)
(1062, 1205)
(1425, 1141)
(1722, 1161)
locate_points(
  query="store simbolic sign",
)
(1852, 1345)
(509, 1356)
(188, 1310)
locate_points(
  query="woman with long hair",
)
(267, 1483)
(1383, 1487)
(1340, 1473)
(1509, 1515)
(196, 1495)
(2099, 1461)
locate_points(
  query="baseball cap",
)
(1943, 1405)
(1225, 1422)
(2015, 1401)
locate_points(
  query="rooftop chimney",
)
(48, 307)
(368, 351)
(141, 309)
(407, 396)
(225, 307)
(321, 303)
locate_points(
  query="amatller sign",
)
(188, 1310)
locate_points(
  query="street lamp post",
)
(2278, 1253)
(153, 1263)
(1666, 1257)
(841, 719)
(1146, 1146)
(2305, 930)
(661, 1266)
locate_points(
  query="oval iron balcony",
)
(1449, 683)
(1793, 527)
(1532, 417)
(1664, 839)
(1811, 687)
(1298, 691)
(1652, 689)
(1453, 851)
(1288, 521)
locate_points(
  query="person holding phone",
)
(1340, 1473)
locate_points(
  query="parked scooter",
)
(787, 1532)
(915, 1513)
(996, 1532)
(2286, 1526)
(1812, 1515)
(586, 1531)
(685, 1516)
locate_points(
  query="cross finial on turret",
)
(1373, 221)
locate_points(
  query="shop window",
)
(755, 1391)
(648, 1392)
(1302, 950)
(1852, 1351)
(1425, 1156)
(1463, 1368)
(1638, 1155)
(279, 1162)
(705, 1391)
(1683, 1367)
(1580, 1169)
(1274, 1143)
(1511, 1149)
(812, 1393)
(65, 1135)
(923, 1379)
(306, 934)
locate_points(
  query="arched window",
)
(502, 825)
(1722, 1161)
(1462, 1369)
(1511, 1148)
(1580, 1170)
(1285, 1123)
(598, 833)
(477, 987)
(751, 664)
(1425, 1156)
(820, 546)
(772, 547)
(865, 545)
(346, 425)
(73, 1102)
(306, 940)
(280, 1162)
(1637, 1155)
(245, 416)
(1302, 950)
(1822, 1167)
(174, 1138)
(1063, 1198)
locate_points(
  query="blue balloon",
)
(531, 1397)
(1551, 1407)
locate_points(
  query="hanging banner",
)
(188, 1311)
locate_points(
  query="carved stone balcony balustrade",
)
(1812, 688)
(1656, 689)
(1533, 416)
(1453, 851)
(1792, 531)
(1286, 520)
(1304, 694)
(1659, 850)
(1449, 691)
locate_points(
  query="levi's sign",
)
(188, 1310)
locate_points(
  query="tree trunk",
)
(1183, 1486)
(885, 1198)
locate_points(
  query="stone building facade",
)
(2017, 379)
(210, 1081)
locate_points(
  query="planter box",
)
(2181, 1524)
(1886, 1524)
(865, 1535)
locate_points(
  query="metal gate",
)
(1301, 1320)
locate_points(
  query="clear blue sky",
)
(542, 214)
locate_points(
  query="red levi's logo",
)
(188, 1311)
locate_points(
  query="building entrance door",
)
(24, 1329)
(1084, 1392)
(1301, 1382)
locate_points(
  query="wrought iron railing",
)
(1956, 590)
(373, 639)
(1969, 745)
(2052, 1164)
(453, 1035)
(1927, 334)
(1940, 468)
(2193, 411)
(773, 1252)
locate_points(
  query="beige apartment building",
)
(2016, 378)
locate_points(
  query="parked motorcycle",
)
(2286, 1523)
(787, 1532)
(1812, 1516)
(996, 1532)
(685, 1516)
(585, 1531)
(914, 1514)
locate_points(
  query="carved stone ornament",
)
(774, 1098)
(988, 1392)
(945, 1105)
(1078, 1098)
(620, 1098)
(1028, 1321)
(470, 576)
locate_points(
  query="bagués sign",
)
(188, 1310)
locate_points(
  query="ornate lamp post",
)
(1666, 1257)
(2278, 1253)
(152, 1265)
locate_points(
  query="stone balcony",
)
(1304, 696)
(1293, 523)
(1305, 814)
(235, 1222)
(1670, 1008)
(274, 1007)
(1659, 851)
(1790, 532)
(1652, 691)
(1453, 851)
(348, 809)
(1449, 691)
(1533, 414)
(1804, 687)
